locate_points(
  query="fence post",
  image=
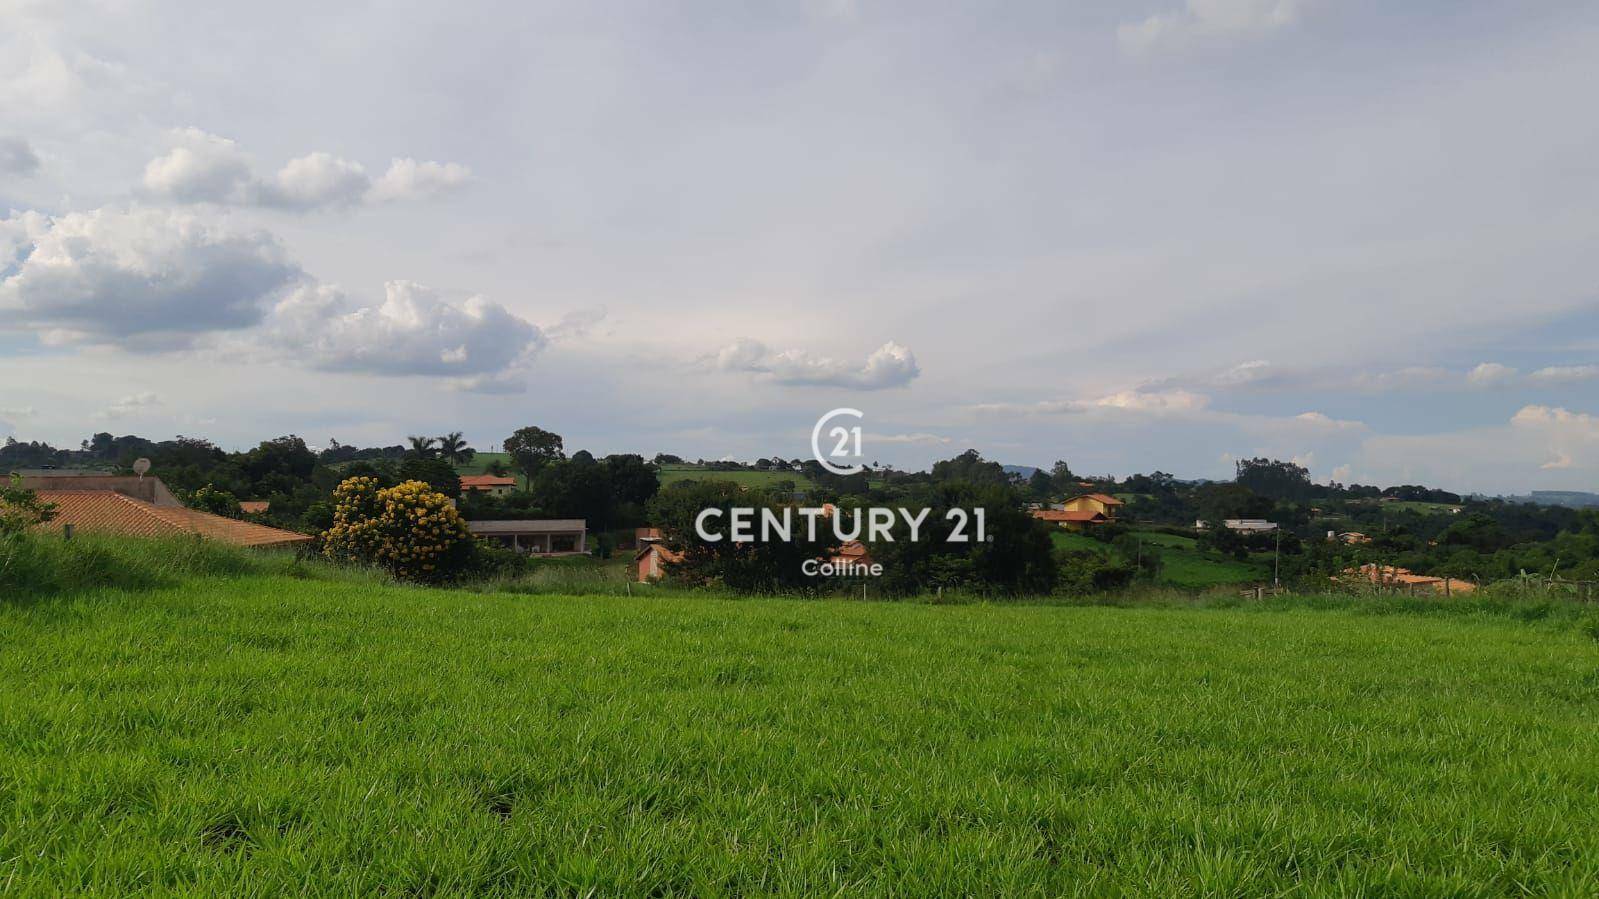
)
(66, 532)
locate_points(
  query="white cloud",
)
(129, 405)
(317, 180)
(135, 277)
(1155, 402)
(1490, 374)
(410, 179)
(1201, 20)
(17, 157)
(205, 168)
(15, 412)
(890, 365)
(202, 168)
(414, 331)
(1564, 374)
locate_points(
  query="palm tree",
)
(453, 448)
(422, 446)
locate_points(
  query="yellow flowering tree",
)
(410, 530)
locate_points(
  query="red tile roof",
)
(1105, 498)
(254, 506)
(469, 481)
(105, 512)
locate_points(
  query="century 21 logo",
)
(842, 437)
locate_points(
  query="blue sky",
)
(1134, 236)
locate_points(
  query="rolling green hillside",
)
(1183, 563)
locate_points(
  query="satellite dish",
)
(140, 466)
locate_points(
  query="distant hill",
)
(1021, 471)
(1573, 499)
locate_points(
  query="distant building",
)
(141, 507)
(651, 560)
(254, 506)
(491, 484)
(1070, 520)
(1103, 503)
(549, 536)
(1242, 525)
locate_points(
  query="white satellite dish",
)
(140, 466)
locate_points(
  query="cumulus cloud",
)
(17, 157)
(1490, 374)
(202, 168)
(1208, 20)
(314, 181)
(205, 168)
(129, 405)
(135, 277)
(1564, 374)
(917, 438)
(1539, 446)
(410, 178)
(890, 365)
(414, 331)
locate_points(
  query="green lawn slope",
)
(276, 732)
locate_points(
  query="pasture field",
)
(1183, 563)
(283, 731)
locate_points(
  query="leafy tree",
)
(1274, 479)
(21, 508)
(533, 448)
(971, 468)
(1017, 558)
(438, 474)
(453, 448)
(757, 567)
(217, 502)
(1061, 479)
(423, 447)
(1040, 485)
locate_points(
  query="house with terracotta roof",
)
(650, 562)
(1071, 520)
(142, 507)
(490, 484)
(254, 506)
(1403, 579)
(1103, 503)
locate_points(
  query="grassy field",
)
(270, 733)
(1183, 563)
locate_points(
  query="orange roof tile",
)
(105, 512)
(486, 480)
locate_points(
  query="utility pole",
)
(1276, 557)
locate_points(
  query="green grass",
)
(263, 734)
(1425, 508)
(1183, 563)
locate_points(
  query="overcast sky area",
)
(1139, 235)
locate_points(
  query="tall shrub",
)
(409, 530)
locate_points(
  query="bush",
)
(20, 508)
(217, 502)
(409, 530)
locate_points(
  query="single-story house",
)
(1242, 525)
(1405, 579)
(254, 506)
(548, 536)
(491, 484)
(651, 560)
(113, 505)
(1350, 537)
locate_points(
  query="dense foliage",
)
(409, 530)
